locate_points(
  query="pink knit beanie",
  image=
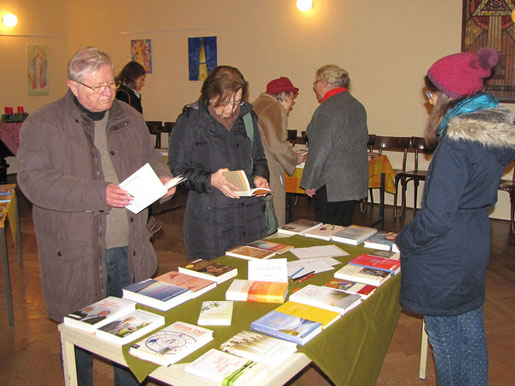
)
(463, 74)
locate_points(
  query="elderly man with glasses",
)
(73, 154)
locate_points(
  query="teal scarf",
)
(479, 101)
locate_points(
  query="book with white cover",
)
(327, 298)
(227, 369)
(216, 313)
(365, 275)
(90, 317)
(354, 234)
(156, 294)
(172, 343)
(145, 187)
(260, 348)
(382, 240)
(325, 232)
(239, 179)
(129, 327)
(299, 227)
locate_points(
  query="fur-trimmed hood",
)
(492, 128)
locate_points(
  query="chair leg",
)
(512, 201)
(423, 353)
(415, 191)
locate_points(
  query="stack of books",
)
(129, 327)
(156, 294)
(196, 285)
(257, 291)
(354, 234)
(375, 262)
(326, 298)
(299, 227)
(382, 240)
(209, 270)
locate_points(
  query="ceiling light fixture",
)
(304, 5)
(10, 20)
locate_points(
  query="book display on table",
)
(239, 179)
(386, 254)
(129, 327)
(156, 294)
(382, 240)
(249, 253)
(172, 343)
(354, 234)
(270, 246)
(260, 348)
(196, 285)
(208, 269)
(326, 298)
(99, 313)
(325, 232)
(375, 262)
(227, 369)
(351, 287)
(298, 227)
(257, 291)
(216, 313)
(145, 187)
(374, 277)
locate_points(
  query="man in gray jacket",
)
(73, 154)
(336, 171)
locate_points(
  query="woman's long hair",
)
(129, 73)
(442, 105)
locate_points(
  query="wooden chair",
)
(155, 128)
(396, 144)
(509, 187)
(364, 201)
(292, 136)
(167, 128)
(418, 144)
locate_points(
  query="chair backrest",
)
(292, 136)
(167, 127)
(392, 143)
(418, 144)
(154, 127)
(371, 141)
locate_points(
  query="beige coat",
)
(273, 125)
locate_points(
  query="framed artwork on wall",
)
(141, 52)
(37, 70)
(489, 23)
(202, 57)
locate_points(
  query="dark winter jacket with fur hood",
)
(445, 249)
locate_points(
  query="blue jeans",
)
(117, 278)
(459, 348)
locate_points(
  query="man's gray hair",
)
(87, 60)
(334, 75)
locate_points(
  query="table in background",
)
(9, 210)
(351, 351)
(378, 165)
(9, 144)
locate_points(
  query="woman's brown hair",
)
(221, 82)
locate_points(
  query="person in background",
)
(73, 154)
(272, 109)
(445, 249)
(336, 171)
(131, 81)
(210, 138)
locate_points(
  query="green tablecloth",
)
(350, 352)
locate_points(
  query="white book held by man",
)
(145, 187)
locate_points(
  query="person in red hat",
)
(445, 249)
(272, 109)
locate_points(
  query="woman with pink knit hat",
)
(445, 249)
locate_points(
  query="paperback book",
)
(129, 327)
(172, 343)
(196, 285)
(287, 327)
(300, 226)
(249, 253)
(352, 287)
(327, 298)
(156, 294)
(209, 270)
(374, 277)
(260, 348)
(387, 254)
(354, 234)
(257, 291)
(382, 240)
(227, 369)
(325, 232)
(323, 316)
(239, 179)
(101, 312)
(270, 246)
(216, 313)
(375, 262)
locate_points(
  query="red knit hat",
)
(463, 74)
(281, 84)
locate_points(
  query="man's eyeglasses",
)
(316, 81)
(98, 89)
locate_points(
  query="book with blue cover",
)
(156, 294)
(287, 327)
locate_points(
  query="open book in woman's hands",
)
(239, 179)
(146, 187)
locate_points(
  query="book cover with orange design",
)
(257, 291)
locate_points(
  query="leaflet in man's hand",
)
(239, 179)
(145, 187)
